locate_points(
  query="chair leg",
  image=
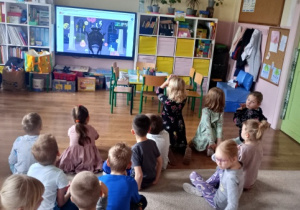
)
(131, 103)
(158, 106)
(200, 108)
(115, 99)
(112, 104)
(110, 98)
(141, 104)
(193, 104)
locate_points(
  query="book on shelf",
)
(16, 36)
(203, 49)
(149, 26)
(16, 52)
(40, 36)
(2, 12)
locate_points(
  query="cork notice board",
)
(265, 12)
(274, 55)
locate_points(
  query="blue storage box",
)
(233, 96)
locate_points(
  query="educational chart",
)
(274, 55)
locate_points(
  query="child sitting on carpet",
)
(21, 158)
(85, 191)
(146, 159)
(250, 110)
(224, 188)
(210, 129)
(56, 195)
(21, 192)
(82, 154)
(160, 136)
(122, 189)
(251, 151)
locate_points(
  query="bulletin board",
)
(265, 12)
(274, 55)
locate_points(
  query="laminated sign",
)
(38, 62)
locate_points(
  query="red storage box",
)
(65, 76)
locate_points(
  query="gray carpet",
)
(273, 190)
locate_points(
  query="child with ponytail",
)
(82, 154)
(251, 151)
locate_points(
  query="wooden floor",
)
(280, 151)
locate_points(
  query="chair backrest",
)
(114, 65)
(117, 72)
(198, 78)
(141, 65)
(192, 73)
(155, 81)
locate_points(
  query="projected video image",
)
(95, 36)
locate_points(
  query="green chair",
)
(120, 89)
(149, 80)
(198, 81)
(115, 72)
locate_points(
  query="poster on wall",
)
(274, 41)
(275, 75)
(248, 5)
(265, 71)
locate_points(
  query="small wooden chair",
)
(198, 80)
(142, 65)
(149, 80)
(120, 89)
(190, 86)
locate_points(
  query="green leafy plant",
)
(155, 2)
(171, 2)
(219, 2)
(192, 3)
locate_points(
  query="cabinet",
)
(175, 46)
(24, 26)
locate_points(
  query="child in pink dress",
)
(82, 154)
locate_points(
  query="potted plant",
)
(211, 3)
(192, 4)
(171, 10)
(155, 6)
(150, 8)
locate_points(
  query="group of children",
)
(129, 170)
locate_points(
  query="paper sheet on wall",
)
(282, 44)
(249, 6)
(275, 75)
(265, 71)
(274, 41)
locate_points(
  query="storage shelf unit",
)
(175, 46)
(24, 26)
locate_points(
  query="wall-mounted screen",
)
(95, 33)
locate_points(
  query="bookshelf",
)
(175, 46)
(24, 26)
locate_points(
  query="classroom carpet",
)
(273, 190)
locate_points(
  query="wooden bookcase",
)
(175, 46)
(24, 26)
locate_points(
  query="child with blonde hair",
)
(210, 129)
(161, 137)
(21, 192)
(251, 151)
(45, 151)
(173, 104)
(20, 158)
(122, 189)
(224, 188)
(85, 191)
(82, 154)
(250, 110)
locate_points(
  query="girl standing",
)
(210, 128)
(251, 151)
(224, 188)
(173, 104)
(82, 154)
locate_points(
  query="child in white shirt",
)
(160, 136)
(45, 151)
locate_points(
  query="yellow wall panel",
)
(185, 47)
(165, 64)
(147, 45)
(201, 66)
